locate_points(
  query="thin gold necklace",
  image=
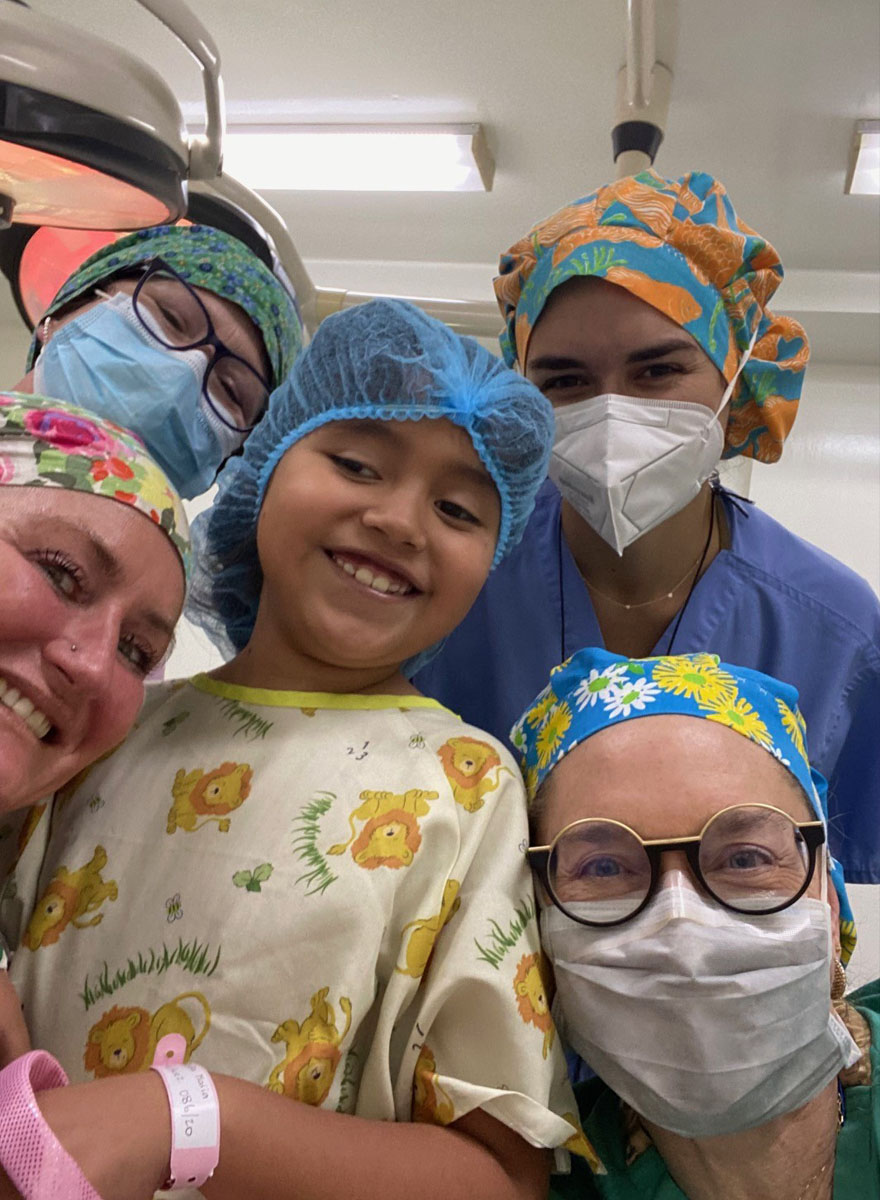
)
(668, 595)
(681, 611)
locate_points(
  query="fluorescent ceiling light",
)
(360, 158)
(863, 178)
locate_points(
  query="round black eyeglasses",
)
(751, 858)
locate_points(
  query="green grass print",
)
(307, 826)
(192, 956)
(501, 940)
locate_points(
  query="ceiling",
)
(765, 95)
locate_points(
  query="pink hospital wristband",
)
(195, 1114)
(30, 1153)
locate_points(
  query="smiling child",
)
(317, 872)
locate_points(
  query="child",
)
(266, 864)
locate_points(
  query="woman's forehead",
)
(666, 776)
(584, 311)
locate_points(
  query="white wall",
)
(826, 487)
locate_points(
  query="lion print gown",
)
(325, 894)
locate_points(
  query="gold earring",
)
(838, 985)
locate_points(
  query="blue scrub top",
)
(771, 601)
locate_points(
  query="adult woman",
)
(89, 595)
(691, 937)
(641, 312)
(178, 333)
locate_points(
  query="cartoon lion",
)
(532, 995)
(124, 1040)
(312, 1053)
(473, 769)
(425, 931)
(391, 834)
(431, 1105)
(208, 795)
(68, 898)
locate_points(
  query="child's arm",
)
(273, 1147)
(14, 1038)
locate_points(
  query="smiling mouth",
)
(380, 580)
(37, 722)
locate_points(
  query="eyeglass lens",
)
(751, 858)
(174, 315)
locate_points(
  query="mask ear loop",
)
(747, 354)
(823, 867)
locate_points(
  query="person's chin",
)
(30, 767)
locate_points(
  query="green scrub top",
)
(857, 1163)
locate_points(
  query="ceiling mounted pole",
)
(206, 151)
(644, 84)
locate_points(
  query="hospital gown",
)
(770, 601)
(325, 894)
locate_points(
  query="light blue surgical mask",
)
(105, 361)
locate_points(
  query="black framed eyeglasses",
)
(174, 316)
(751, 858)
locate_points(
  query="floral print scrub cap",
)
(206, 258)
(48, 443)
(678, 245)
(595, 689)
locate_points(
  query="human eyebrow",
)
(555, 362)
(599, 834)
(380, 431)
(661, 349)
(159, 623)
(475, 475)
(103, 557)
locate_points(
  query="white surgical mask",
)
(705, 1021)
(626, 465)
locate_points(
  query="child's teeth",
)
(23, 707)
(11, 696)
(379, 583)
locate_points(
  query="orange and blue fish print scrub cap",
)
(678, 245)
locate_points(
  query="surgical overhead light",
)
(91, 148)
(38, 259)
(863, 177)
(360, 158)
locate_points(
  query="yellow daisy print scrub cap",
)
(595, 689)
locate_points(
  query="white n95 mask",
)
(705, 1021)
(626, 464)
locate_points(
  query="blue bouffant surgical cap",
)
(387, 361)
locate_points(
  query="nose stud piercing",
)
(73, 646)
